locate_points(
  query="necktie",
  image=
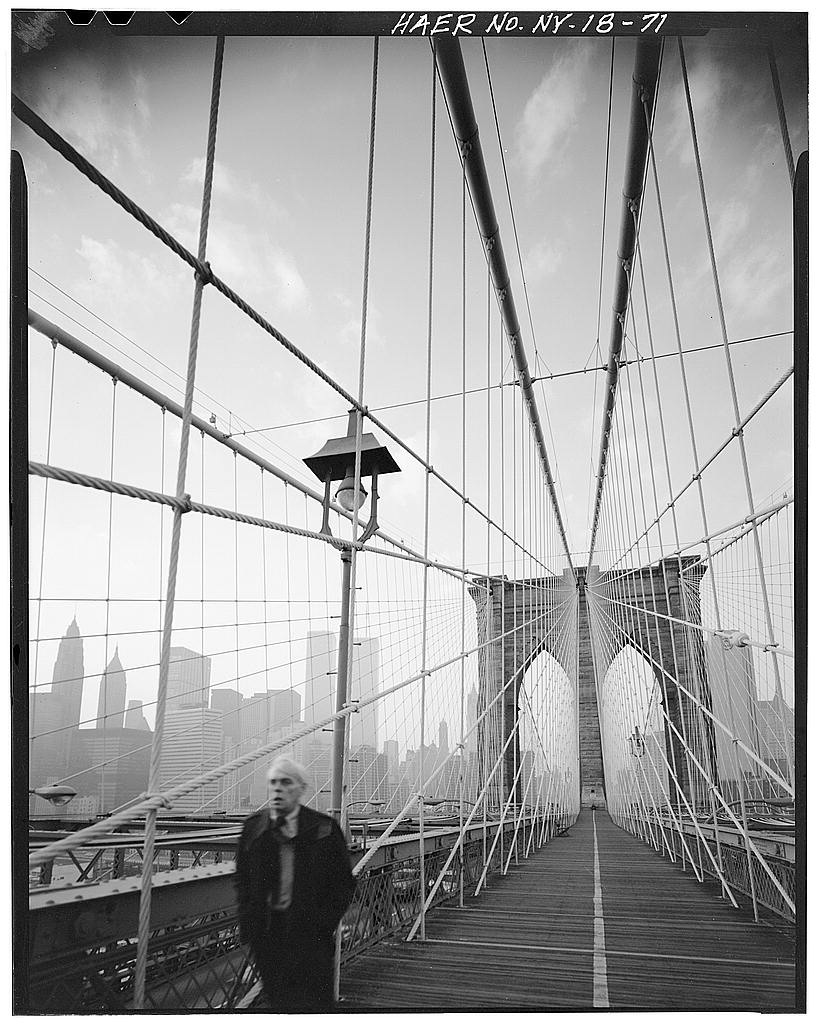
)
(278, 823)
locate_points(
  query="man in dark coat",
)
(293, 882)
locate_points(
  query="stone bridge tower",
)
(563, 616)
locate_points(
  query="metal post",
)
(18, 506)
(340, 724)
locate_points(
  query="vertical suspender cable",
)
(156, 746)
(349, 554)
(461, 745)
(450, 64)
(104, 676)
(646, 67)
(422, 865)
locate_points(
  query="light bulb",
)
(348, 497)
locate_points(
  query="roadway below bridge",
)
(595, 919)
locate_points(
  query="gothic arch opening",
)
(548, 744)
(633, 733)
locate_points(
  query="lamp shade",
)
(336, 458)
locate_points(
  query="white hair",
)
(291, 767)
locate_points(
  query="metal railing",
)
(83, 937)
(730, 852)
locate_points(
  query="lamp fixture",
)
(336, 461)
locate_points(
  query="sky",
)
(287, 232)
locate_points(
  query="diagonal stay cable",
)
(206, 274)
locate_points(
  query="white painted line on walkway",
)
(601, 983)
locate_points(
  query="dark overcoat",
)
(323, 887)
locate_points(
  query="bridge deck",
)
(529, 941)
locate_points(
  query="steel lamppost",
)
(336, 461)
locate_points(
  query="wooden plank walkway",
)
(538, 939)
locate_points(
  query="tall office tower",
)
(286, 708)
(320, 682)
(775, 721)
(275, 711)
(111, 700)
(271, 715)
(188, 679)
(134, 718)
(732, 683)
(69, 674)
(47, 759)
(443, 739)
(392, 754)
(114, 766)
(230, 704)
(193, 742)
(364, 683)
(367, 776)
(54, 717)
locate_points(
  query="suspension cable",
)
(156, 748)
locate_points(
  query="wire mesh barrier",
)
(776, 894)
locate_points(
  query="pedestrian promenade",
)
(596, 919)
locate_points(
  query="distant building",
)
(320, 686)
(775, 722)
(193, 742)
(111, 700)
(392, 754)
(69, 674)
(188, 679)
(134, 718)
(734, 703)
(319, 681)
(116, 767)
(48, 744)
(365, 681)
(54, 716)
(316, 758)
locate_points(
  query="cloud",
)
(100, 107)
(291, 287)
(112, 273)
(551, 112)
(245, 258)
(754, 278)
(231, 186)
(224, 180)
(543, 260)
(708, 84)
(733, 219)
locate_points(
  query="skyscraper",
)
(364, 684)
(69, 674)
(319, 681)
(188, 679)
(111, 700)
(193, 742)
(134, 718)
(54, 716)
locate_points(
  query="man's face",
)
(283, 792)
